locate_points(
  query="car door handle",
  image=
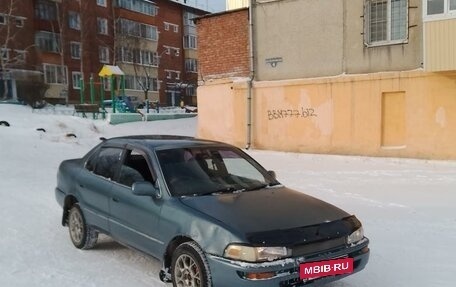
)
(115, 199)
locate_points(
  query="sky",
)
(210, 5)
(406, 206)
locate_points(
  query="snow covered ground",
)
(408, 207)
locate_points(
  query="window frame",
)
(72, 45)
(140, 6)
(128, 151)
(102, 26)
(74, 20)
(101, 3)
(47, 66)
(104, 49)
(448, 13)
(19, 22)
(137, 29)
(96, 157)
(45, 10)
(190, 42)
(367, 26)
(191, 65)
(76, 84)
(49, 39)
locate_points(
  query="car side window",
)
(107, 162)
(90, 164)
(134, 169)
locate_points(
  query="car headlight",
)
(355, 236)
(255, 254)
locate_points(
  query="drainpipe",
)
(251, 77)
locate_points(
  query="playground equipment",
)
(116, 79)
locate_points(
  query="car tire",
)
(189, 267)
(82, 235)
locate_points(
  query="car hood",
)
(273, 214)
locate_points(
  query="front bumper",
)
(59, 196)
(228, 273)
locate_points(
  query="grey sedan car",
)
(209, 212)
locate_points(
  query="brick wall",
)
(223, 45)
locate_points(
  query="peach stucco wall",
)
(337, 115)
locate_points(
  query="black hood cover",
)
(275, 216)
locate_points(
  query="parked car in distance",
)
(209, 212)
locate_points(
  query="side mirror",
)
(272, 174)
(145, 188)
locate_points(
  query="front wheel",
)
(82, 236)
(189, 267)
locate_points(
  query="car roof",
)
(162, 141)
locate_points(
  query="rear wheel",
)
(189, 267)
(82, 236)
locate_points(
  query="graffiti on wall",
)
(291, 113)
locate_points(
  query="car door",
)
(95, 185)
(134, 219)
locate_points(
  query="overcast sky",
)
(210, 5)
(216, 5)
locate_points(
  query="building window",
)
(386, 22)
(101, 3)
(148, 58)
(125, 55)
(190, 91)
(45, 10)
(440, 8)
(76, 79)
(102, 26)
(47, 41)
(74, 20)
(103, 54)
(190, 42)
(168, 25)
(2, 19)
(55, 74)
(191, 65)
(136, 29)
(19, 22)
(188, 19)
(75, 50)
(141, 6)
(106, 83)
(141, 83)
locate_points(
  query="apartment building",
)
(17, 57)
(365, 77)
(153, 42)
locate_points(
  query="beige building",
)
(236, 4)
(365, 77)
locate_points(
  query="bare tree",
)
(8, 34)
(61, 23)
(144, 61)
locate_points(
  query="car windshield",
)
(211, 170)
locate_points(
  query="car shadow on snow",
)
(107, 243)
